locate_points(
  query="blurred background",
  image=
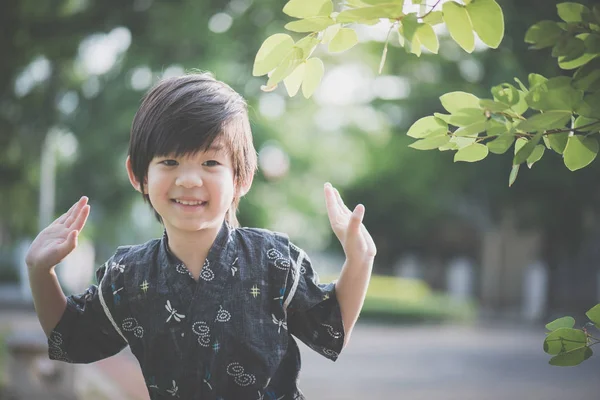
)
(468, 270)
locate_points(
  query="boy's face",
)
(192, 192)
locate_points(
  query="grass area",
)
(401, 300)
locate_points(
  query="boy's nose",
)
(189, 179)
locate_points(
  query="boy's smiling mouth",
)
(189, 202)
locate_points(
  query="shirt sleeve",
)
(313, 311)
(87, 331)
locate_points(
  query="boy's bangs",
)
(184, 140)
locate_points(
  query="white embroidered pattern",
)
(207, 274)
(173, 313)
(280, 323)
(131, 325)
(272, 254)
(222, 315)
(55, 348)
(329, 352)
(239, 376)
(118, 266)
(173, 391)
(181, 269)
(332, 332)
(201, 329)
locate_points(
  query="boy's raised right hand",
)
(59, 238)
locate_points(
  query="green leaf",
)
(569, 48)
(524, 152)
(564, 339)
(428, 38)
(271, 52)
(554, 94)
(307, 45)
(521, 85)
(287, 66)
(572, 358)
(564, 322)
(313, 24)
(592, 43)
(578, 62)
(392, 11)
(506, 93)
(467, 116)
(594, 315)
(588, 124)
(344, 39)
(536, 155)
(488, 21)
(471, 130)
(434, 18)
(308, 8)
(430, 143)
(330, 33)
(590, 106)
(449, 146)
(455, 101)
(545, 121)
(493, 106)
(472, 153)
(572, 12)
(522, 105)
(294, 80)
(535, 80)
(558, 141)
(501, 144)
(513, 175)
(587, 78)
(312, 76)
(459, 25)
(543, 34)
(580, 151)
(426, 127)
(461, 142)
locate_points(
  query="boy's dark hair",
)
(184, 115)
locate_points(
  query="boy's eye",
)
(169, 163)
(211, 163)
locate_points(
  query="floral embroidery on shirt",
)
(239, 376)
(55, 347)
(131, 325)
(201, 329)
(207, 274)
(174, 389)
(332, 332)
(223, 315)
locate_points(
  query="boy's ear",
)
(132, 178)
(242, 190)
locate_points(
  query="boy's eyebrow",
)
(215, 147)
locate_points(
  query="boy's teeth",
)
(189, 203)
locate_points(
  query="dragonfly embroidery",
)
(173, 391)
(279, 322)
(174, 314)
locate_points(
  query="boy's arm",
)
(49, 248)
(360, 251)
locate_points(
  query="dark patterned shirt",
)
(227, 336)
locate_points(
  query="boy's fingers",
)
(341, 203)
(67, 214)
(79, 222)
(356, 219)
(74, 214)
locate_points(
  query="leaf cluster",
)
(571, 346)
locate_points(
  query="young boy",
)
(209, 309)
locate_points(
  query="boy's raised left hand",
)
(348, 228)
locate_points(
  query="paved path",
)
(447, 363)
(414, 363)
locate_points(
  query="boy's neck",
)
(192, 247)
